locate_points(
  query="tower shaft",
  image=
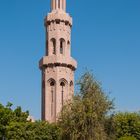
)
(57, 65)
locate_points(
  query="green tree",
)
(33, 131)
(127, 138)
(7, 115)
(110, 127)
(84, 117)
(127, 124)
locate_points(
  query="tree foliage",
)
(14, 126)
(33, 131)
(84, 117)
(7, 115)
(127, 138)
(127, 124)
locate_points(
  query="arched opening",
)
(68, 47)
(62, 84)
(51, 95)
(53, 45)
(71, 87)
(52, 91)
(62, 46)
(68, 42)
(64, 90)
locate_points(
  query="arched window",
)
(71, 84)
(68, 47)
(64, 90)
(62, 46)
(62, 84)
(68, 43)
(51, 90)
(53, 45)
(71, 87)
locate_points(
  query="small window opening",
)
(62, 84)
(62, 43)
(61, 49)
(52, 84)
(71, 84)
(52, 96)
(52, 90)
(54, 47)
(68, 42)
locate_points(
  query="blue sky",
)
(105, 39)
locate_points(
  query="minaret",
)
(57, 65)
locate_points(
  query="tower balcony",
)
(58, 16)
(49, 61)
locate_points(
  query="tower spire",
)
(58, 5)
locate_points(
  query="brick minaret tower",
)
(57, 65)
